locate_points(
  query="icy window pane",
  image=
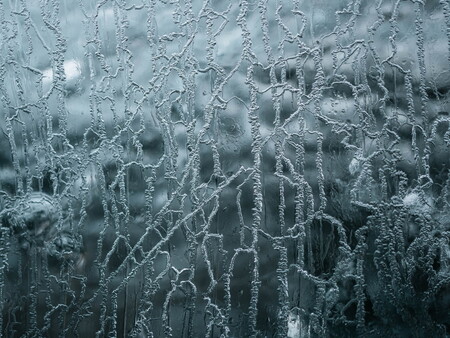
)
(221, 168)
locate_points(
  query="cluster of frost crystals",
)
(248, 168)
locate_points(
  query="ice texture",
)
(212, 168)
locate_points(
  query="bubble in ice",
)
(33, 217)
(65, 245)
(417, 203)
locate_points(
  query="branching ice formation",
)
(224, 168)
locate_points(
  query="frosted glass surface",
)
(212, 168)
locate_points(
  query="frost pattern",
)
(225, 168)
